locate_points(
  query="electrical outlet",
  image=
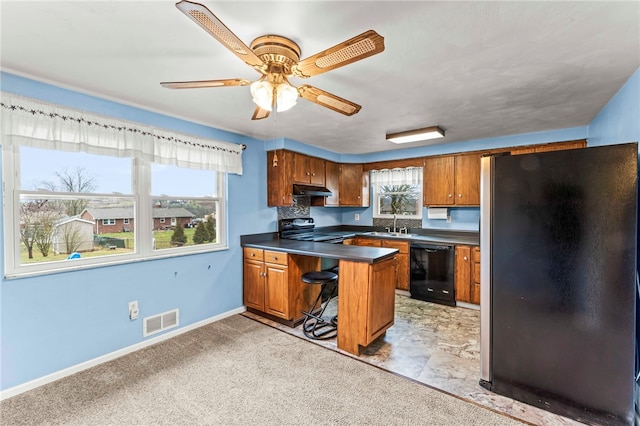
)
(133, 310)
(356, 216)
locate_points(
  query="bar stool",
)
(315, 326)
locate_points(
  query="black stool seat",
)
(314, 325)
(319, 277)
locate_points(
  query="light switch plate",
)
(133, 310)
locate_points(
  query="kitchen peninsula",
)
(366, 285)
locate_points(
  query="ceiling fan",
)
(277, 58)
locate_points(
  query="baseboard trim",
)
(468, 305)
(16, 390)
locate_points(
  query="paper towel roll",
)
(437, 213)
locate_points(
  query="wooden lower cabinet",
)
(367, 305)
(402, 263)
(272, 283)
(467, 274)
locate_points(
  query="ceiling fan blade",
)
(328, 100)
(359, 47)
(259, 114)
(211, 24)
(204, 83)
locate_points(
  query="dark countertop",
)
(325, 250)
(270, 241)
(439, 236)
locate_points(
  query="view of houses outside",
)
(72, 222)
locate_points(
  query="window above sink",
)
(397, 193)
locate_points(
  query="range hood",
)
(312, 191)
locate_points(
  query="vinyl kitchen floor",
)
(439, 346)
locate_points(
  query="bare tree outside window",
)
(76, 180)
(37, 221)
(72, 237)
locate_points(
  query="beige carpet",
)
(239, 372)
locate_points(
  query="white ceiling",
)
(476, 69)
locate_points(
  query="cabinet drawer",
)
(253, 253)
(402, 246)
(276, 257)
(368, 242)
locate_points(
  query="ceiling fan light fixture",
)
(286, 97)
(427, 133)
(262, 93)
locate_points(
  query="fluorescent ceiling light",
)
(416, 135)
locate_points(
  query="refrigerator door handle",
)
(486, 172)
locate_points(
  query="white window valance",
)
(43, 125)
(404, 176)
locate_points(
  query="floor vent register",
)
(160, 322)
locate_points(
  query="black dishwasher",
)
(431, 273)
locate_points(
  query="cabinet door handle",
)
(466, 258)
(307, 173)
(445, 291)
(450, 195)
(459, 195)
(253, 255)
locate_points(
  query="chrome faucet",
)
(394, 222)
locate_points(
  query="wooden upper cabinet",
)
(467, 180)
(279, 178)
(308, 170)
(354, 186)
(332, 182)
(438, 181)
(557, 146)
(520, 151)
(317, 170)
(452, 180)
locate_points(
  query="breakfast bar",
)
(366, 285)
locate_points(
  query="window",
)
(397, 192)
(75, 208)
(82, 190)
(189, 199)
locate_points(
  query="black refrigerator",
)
(558, 280)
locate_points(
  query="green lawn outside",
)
(162, 240)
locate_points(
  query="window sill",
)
(161, 255)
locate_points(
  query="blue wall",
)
(52, 322)
(619, 120)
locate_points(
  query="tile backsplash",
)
(400, 223)
(300, 208)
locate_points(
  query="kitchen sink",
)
(390, 234)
